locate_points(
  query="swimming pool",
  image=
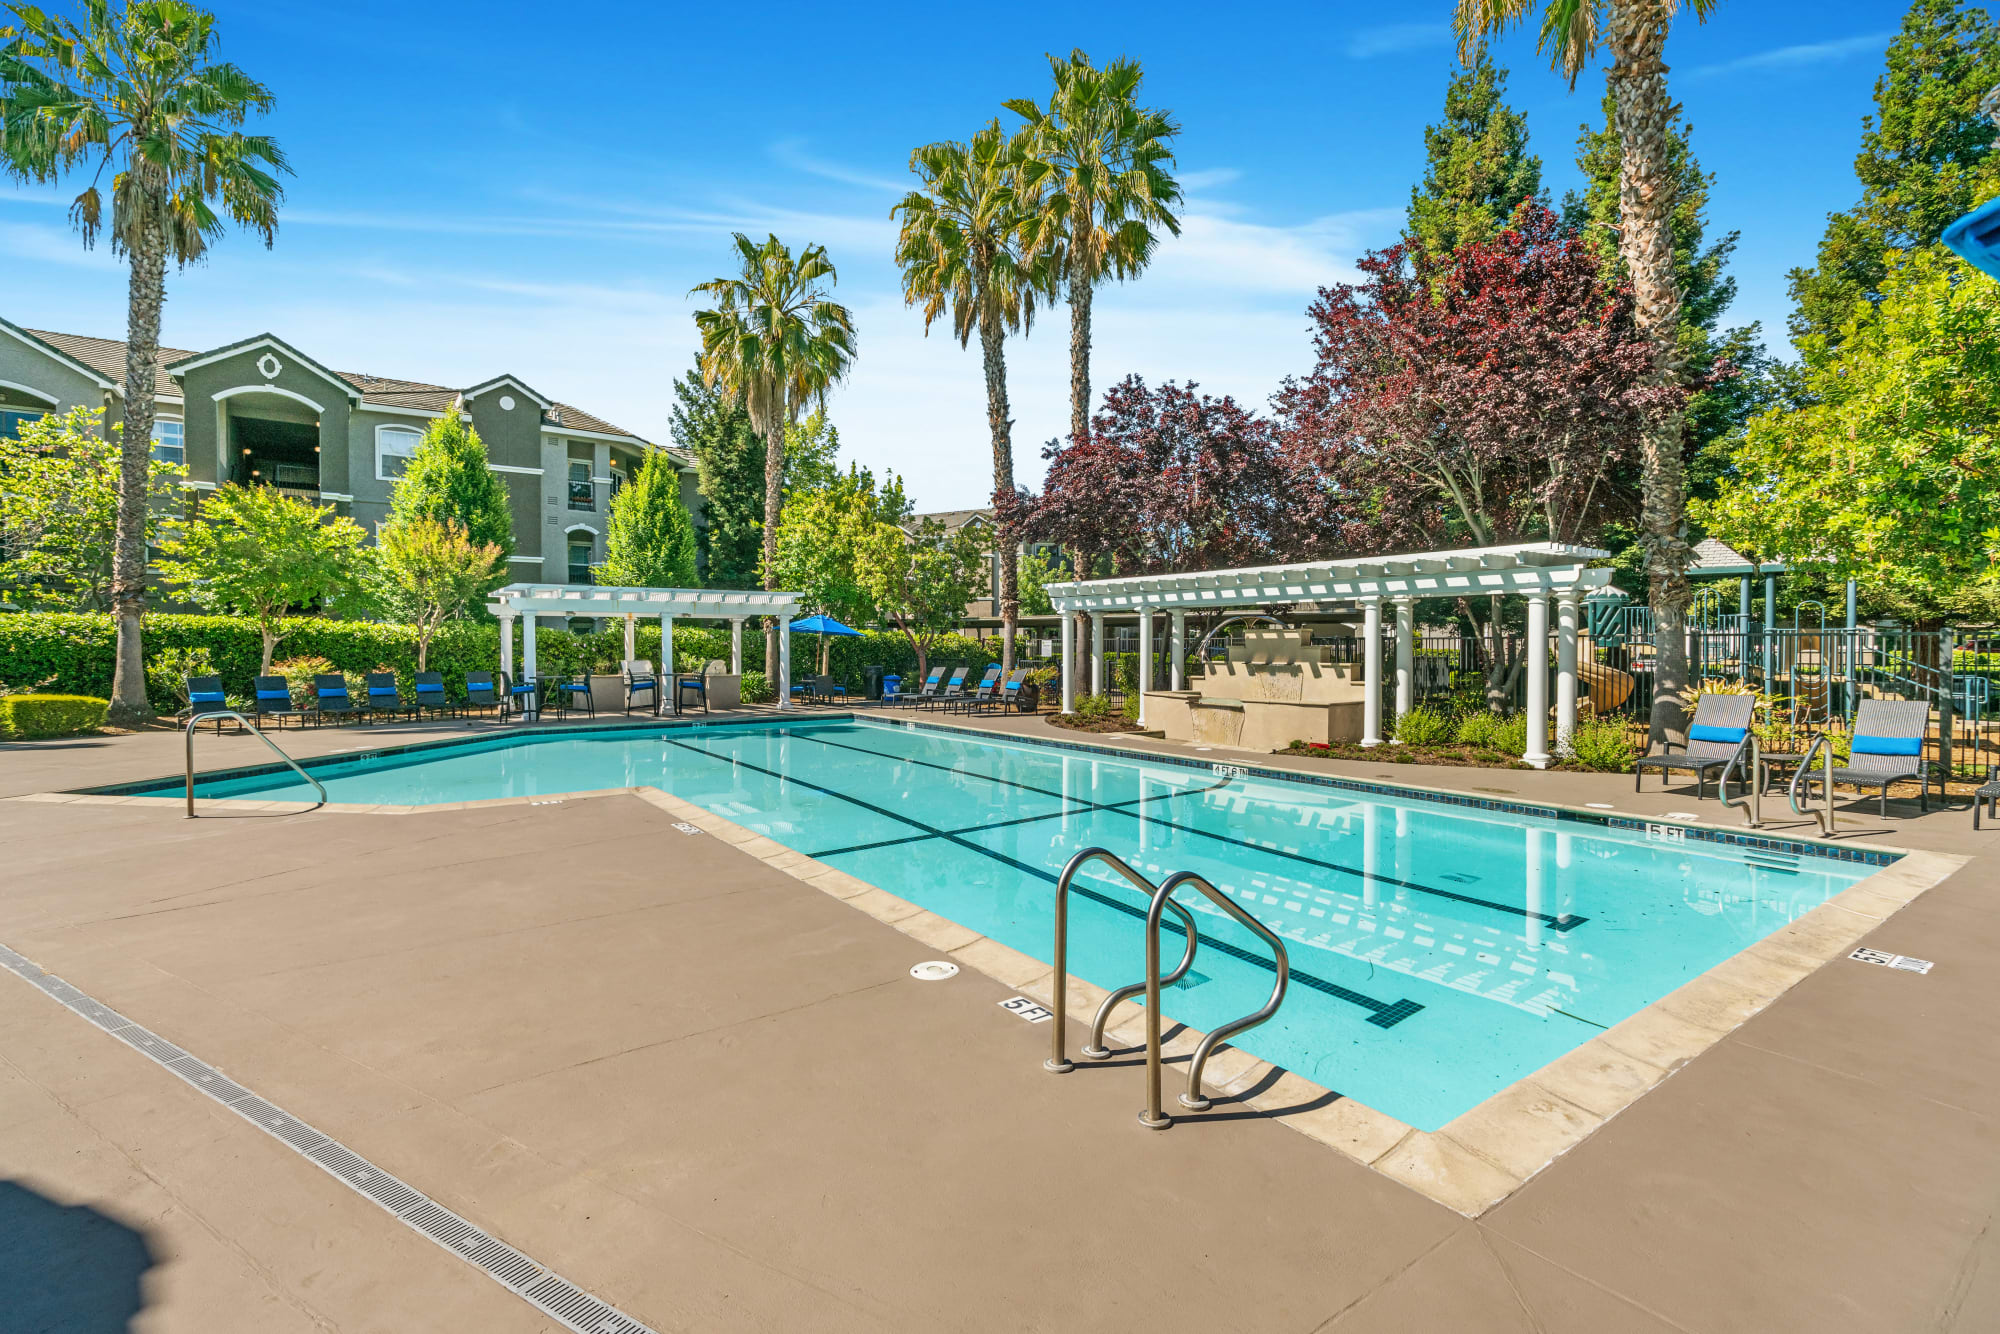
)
(1440, 949)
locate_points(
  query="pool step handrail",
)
(1753, 806)
(1802, 776)
(251, 727)
(1159, 899)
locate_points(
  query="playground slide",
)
(1608, 686)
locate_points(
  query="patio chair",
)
(999, 701)
(1987, 794)
(274, 702)
(640, 679)
(331, 702)
(697, 683)
(481, 694)
(928, 689)
(954, 688)
(523, 697)
(988, 683)
(385, 697)
(431, 696)
(572, 695)
(1887, 746)
(1721, 730)
(205, 696)
(828, 689)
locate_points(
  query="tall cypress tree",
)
(448, 479)
(1478, 168)
(1926, 159)
(650, 539)
(729, 459)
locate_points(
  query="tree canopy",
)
(433, 574)
(649, 542)
(729, 464)
(449, 479)
(920, 581)
(1477, 167)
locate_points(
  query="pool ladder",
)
(216, 715)
(1160, 898)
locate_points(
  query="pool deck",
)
(710, 1093)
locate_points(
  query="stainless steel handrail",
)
(1754, 808)
(1097, 1051)
(1153, 1117)
(1059, 1062)
(1825, 815)
(213, 715)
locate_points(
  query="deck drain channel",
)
(551, 1294)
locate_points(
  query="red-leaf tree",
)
(1489, 396)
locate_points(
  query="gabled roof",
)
(953, 520)
(540, 400)
(102, 362)
(181, 367)
(1712, 556)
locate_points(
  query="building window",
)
(581, 547)
(169, 443)
(617, 482)
(582, 495)
(393, 447)
(13, 419)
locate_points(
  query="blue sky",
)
(483, 190)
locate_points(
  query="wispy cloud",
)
(1232, 258)
(1390, 39)
(792, 153)
(53, 245)
(1208, 179)
(1804, 56)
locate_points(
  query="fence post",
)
(1947, 702)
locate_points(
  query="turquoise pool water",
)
(1439, 952)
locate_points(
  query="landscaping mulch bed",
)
(1462, 757)
(1115, 723)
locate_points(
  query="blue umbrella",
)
(822, 626)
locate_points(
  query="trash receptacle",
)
(891, 684)
(871, 676)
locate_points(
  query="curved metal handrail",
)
(1097, 1051)
(1799, 779)
(1754, 807)
(1153, 1117)
(214, 714)
(1059, 1062)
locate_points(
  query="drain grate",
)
(554, 1295)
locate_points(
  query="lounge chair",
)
(641, 679)
(988, 683)
(1887, 746)
(523, 697)
(385, 698)
(205, 696)
(331, 702)
(954, 688)
(431, 696)
(481, 694)
(999, 701)
(1721, 730)
(274, 702)
(572, 694)
(926, 691)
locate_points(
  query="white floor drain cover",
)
(935, 970)
(1600, 805)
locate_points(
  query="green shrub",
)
(167, 672)
(757, 688)
(1603, 746)
(1512, 735)
(1424, 726)
(33, 717)
(1094, 708)
(1130, 705)
(1477, 729)
(299, 674)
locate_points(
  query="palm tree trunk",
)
(146, 292)
(992, 346)
(1079, 358)
(1637, 36)
(774, 503)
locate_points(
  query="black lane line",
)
(1383, 1014)
(1563, 924)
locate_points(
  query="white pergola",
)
(528, 601)
(1541, 572)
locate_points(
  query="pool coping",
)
(1470, 1164)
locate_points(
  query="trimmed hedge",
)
(34, 717)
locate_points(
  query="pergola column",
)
(667, 696)
(1177, 650)
(631, 637)
(784, 661)
(1536, 655)
(1406, 657)
(1097, 653)
(1566, 622)
(1371, 673)
(506, 646)
(528, 661)
(736, 645)
(1066, 631)
(1145, 675)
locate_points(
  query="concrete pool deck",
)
(712, 1095)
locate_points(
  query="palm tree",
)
(1100, 161)
(1634, 34)
(137, 93)
(777, 344)
(960, 252)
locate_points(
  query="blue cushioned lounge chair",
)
(927, 690)
(1888, 746)
(998, 701)
(954, 688)
(274, 702)
(641, 679)
(523, 697)
(1721, 730)
(431, 695)
(988, 683)
(385, 700)
(206, 695)
(481, 694)
(331, 702)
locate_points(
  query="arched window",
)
(393, 447)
